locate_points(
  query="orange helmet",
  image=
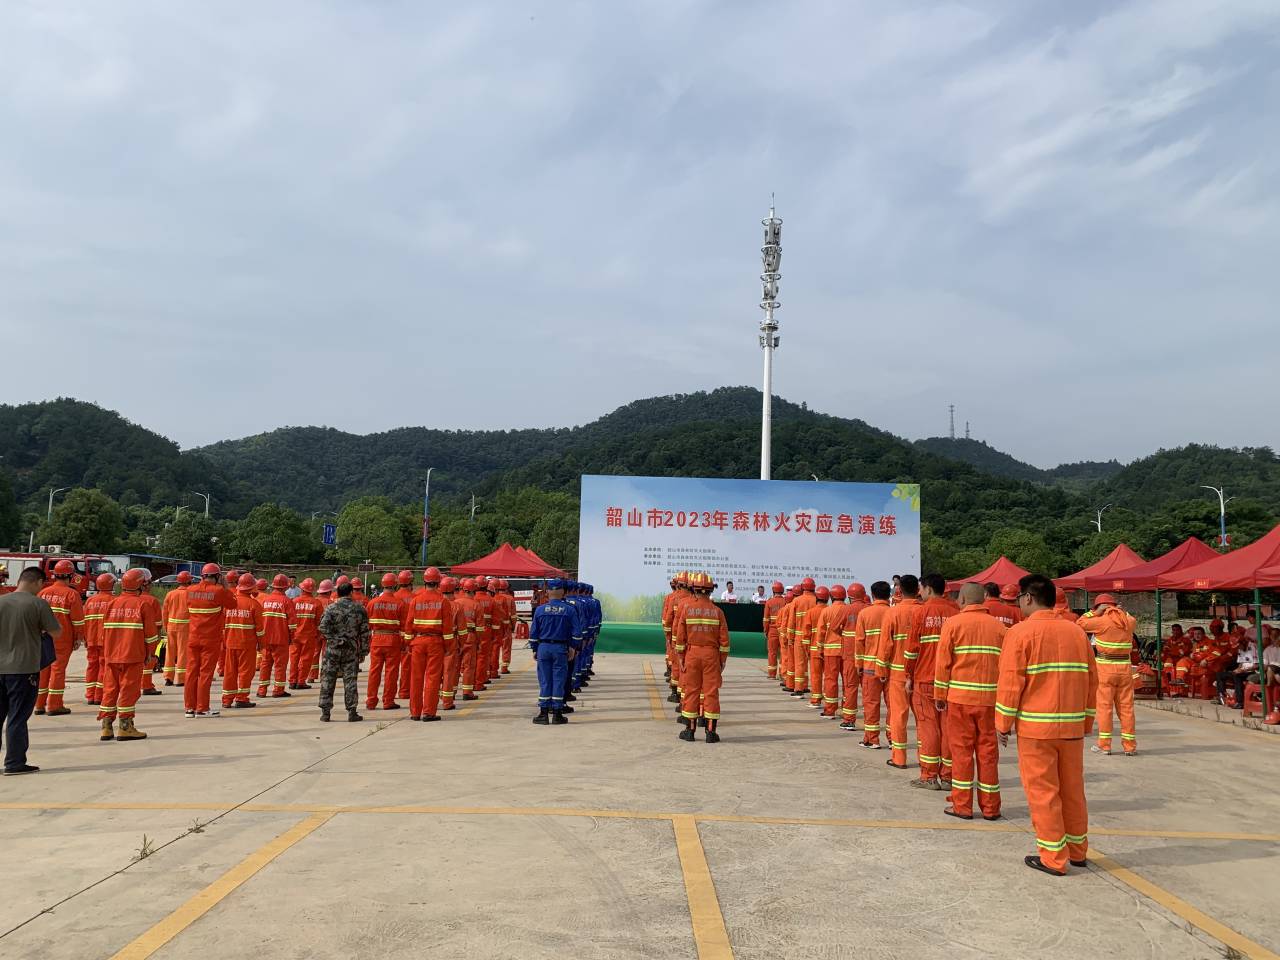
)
(133, 579)
(233, 576)
(184, 577)
(1060, 597)
(246, 582)
(448, 585)
(280, 581)
(682, 578)
(357, 583)
(105, 583)
(307, 586)
(1102, 598)
(64, 568)
(502, 585)
(778, 588)
(807, 584)
(211, 570)
(341, 580)
(389, 579)
(405, 578)
(857, 591)
(326, 586)
(837, 592)
(261, 584)
(431, 575)
(822, 593)
(1009, 591)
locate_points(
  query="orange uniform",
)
(769, 616)
(431, 624)
(815, 622)
(786, 639)
(484, 634)
(870, 628)
(207, 603)
(243, 628)
(965, 678)
(669, 608)
(920, 660)
(389, 623)
(461, 628)
(851, 658)
(891, 667)
(405, 592)
(468, 645)
(95, 611)
(69, 611)
(801, 633)
(830, 625)
(1112, 633)
(1048, 686)
(148, 685)
(1065, 612)
(702, 645)
(176, 623)
(306, 615)
(505, 611)
(130, 635)
(280, 624)
(1004, 612)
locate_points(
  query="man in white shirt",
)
(1246, 663)
(728, 596)
(1271, 655)
(759, 595)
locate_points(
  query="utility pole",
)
(771, 258)
(426, 515)
(207, 498)
(471, 524)
(1223, 500)
(966, 429)
(1098, 522)
(952, 408)
(48, 518)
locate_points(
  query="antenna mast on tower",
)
(771, 258)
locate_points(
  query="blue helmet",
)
(555, 583)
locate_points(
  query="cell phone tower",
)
(771, 257)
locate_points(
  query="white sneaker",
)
(213, 712)
(190, 714)
(1097, 749)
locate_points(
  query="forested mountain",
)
(983, 456)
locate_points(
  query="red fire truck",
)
(88, 566)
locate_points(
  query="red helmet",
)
(431, 575)
(448, 585)
(837, 592)
(405, 578)
(502, 585)
(1009, 591)
(280, 581)
(389, 579)
(778, 588)
(233, 575)
(856, 591)
(184, 577)
(682, 579)
(357, 583)
(1060, 597)
(1102, 598)
(794, 592)
(326, 586)
(246, 582)
(211, 570)
(822, 593)
(133, 579)
(807, 584)
(261, 584)
(341, 580)
(307, 586)
(64, 568)
(105, 583)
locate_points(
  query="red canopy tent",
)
(1269, 576)
(1237, 570)
(526, 552)
(1143, 576)
(505, 562)
(1002, 571)
(1118, 559)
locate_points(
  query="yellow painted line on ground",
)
(1241, 944)
(709, 933)
(204, 901)
(655, 699)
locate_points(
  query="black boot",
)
(324, 716)
(712, 736)
(543, 717)
(674, 698)
(570, 698)
(353, 717)
(566, 709)
(687, 732)
(557, 716)
(702, 721)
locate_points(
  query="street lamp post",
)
(426, 515)
(48, 518)
(771, 258)
(207, 498)
(1223, 500)
(1098, 522)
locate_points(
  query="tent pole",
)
(1159, 649)
(1257, 645)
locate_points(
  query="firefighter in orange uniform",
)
(769, 618)
(405, 591)
(1062, 608)
(431, 645)
(1047, 691)
(469, 641)
(891, 666)
(280, 623)
(1175, 657)
(509, 612)
(801, 633)
(965, 679)
(851, 656)
(95, 614)
(453, 652)
(324, 593)
(64, 600)
(148, 683)
(357, 592)
(484, 631)
(389, 625)
(1112, 632)
(830, 625)
(816, 642)
(243, 628)
(1000, 603)
(307, 608)
(232, 581)
(678, 595)
(130, 636)
(786, 640)
(176, 621)
(207, 604)
(665, 620)
(702, 646)
(870, 630)
(920, 660)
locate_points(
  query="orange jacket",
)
(390, 622)
(307, 610)
(801, 624)
(504, 613)
(769, 615)
(1066, 613)
(920, 656)
(968, 668)
(849, 648)
(830, 625)
(66, 606)
(870, 628)
(244, 624)
(891, 652)
(279, 618)
(1004, 612)
(207, 604)
(95, 612)
(669, 605)
(1112, 632)
(460, 624)
(701, 624)
(174, 609)
(786, 621)
(1048, 680)
(484, 615)
(813, 618)
(431, 614)
(131, 629)
(467, 607)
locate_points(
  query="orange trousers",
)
(701, 675)
(1053, 778)
(851, 677)
(495, 656)
(380, 659)
(121, 687)
(403, 672)
(175, 654)
(673, 661)
(202, 658)
(774, 648)
(93, 679)
(301, 655)
(816, 657)
(237, 674)
(800, 663)
(505, 660)
(53, 678)
(426, 672)
(449, 684)
(899, 707)
(832, 673)
(1115, 686)
(931, 735)
(871, 693)
(275, 660)
(484, 651)
(971, 731)
(786, 668)
(466, 665)
(317, 652)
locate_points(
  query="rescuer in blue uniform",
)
(556, 632)
(573, 597)
(591, 630)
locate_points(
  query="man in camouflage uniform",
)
(345, 628)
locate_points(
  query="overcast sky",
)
(1060, 217)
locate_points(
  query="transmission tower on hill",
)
(771, 258)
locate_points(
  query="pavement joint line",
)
(1197, 918)
(709, 933)
(208, 898)
(471, 707)
(655, 701)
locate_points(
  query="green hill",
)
(984, 457)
